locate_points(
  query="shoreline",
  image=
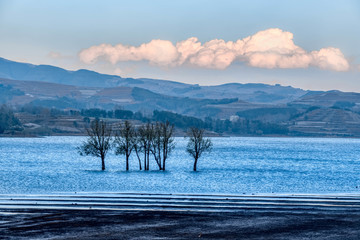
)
(183, 217)
(122, 201)
(215, 194)
(182, 136)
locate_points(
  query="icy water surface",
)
(236, 165)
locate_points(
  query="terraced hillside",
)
(309, 113)
(349, 100)
(328, 122)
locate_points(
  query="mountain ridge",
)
(250, 92)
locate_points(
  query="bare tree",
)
(197, 144)
(137, 147)
(98, 142)
(125, 140)
(163, 143)
(156, 144)
(167, 142)
(145, 138)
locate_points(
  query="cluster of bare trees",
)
(153, 140)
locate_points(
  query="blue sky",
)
(61, 33)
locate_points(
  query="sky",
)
(309, 44)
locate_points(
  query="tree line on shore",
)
(243, 126)
(9, 124)
(7, 119)
(150, 140)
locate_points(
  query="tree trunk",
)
(164, 156)
(145, 161)
(158, 162)
(195, 163)
(102, 163)
(148, 160)
(138, 159)
(159, 165)
(127, 162)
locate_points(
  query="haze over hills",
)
(313, 113)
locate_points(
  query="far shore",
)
(183, 135)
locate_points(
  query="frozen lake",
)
(235, 166)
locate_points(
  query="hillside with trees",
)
(48, 100)
(8, 122)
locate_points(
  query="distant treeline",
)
(7, 93)
(241, 126)
(7, 120)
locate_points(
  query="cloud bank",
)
(271, 48)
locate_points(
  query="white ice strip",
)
(177, 200)
(345, 195)
(187, 196)
(175, 204)
(183, 202)
(14, 207)
(175, 207)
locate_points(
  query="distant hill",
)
(253, 93)
(233, 106)
(327, 122)
(46, 73)
(349, 100)
(54, 95)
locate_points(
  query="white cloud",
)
(159, 52)
(271, 48)
(188, 48)
(330, 58)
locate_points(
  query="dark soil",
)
(94, 224)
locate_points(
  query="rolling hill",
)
(253, 93)
(309, 113)
(54, 95)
